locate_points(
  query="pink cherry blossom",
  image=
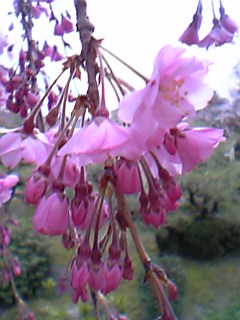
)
(6, 184)
(71, 171)
(175, 91)
(97, 141)
(202, 140)
(17, 146)
(51, 215)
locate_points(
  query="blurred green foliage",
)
(32, 252)
(200, 238)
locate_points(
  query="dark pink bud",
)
(122, 317)
(97, 280)
(190, 35)
(79, 276)
(113, 277)
(172, 290)
(23, 111)
(58, 30)
(56, 55)
(218, 36)
(47, 50)
(31, 316)
(66, 24)
(52, 116)
(127, 177)
(67, 240)
(35, 188)
(31, 99)
(128, 268)
(63, 284)
(227, 23)
(16, 269)
(51, 215)
(10, 105)
(38, 10)
(5, 235)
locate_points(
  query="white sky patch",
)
(136, 30)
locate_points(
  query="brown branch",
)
(84, 26)
(86, 29)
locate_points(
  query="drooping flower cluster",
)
(10, 266)
(139, 152)
(223, 31)
(151, 144)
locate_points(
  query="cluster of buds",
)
(19, 86)
(141, 159)
(11, 266)
(223, 31)
(141, 151)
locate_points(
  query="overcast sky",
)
(137, 29)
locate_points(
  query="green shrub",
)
(204, 238)
(31, 250)
(200, 238)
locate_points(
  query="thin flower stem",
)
(152, 281)
(147, 172)
(213, 10)
(102, 110)
(77, 115)
(145, 259)
(38, 105)
(99, 211)
(125, 84)
(107, 306)
(113, 75)
(145, 79)
(65, 94)
(95, 304)
(164, 299)
(112, 217)
(59, 140)
(12, 283)
(62, 168)
(109, 78)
